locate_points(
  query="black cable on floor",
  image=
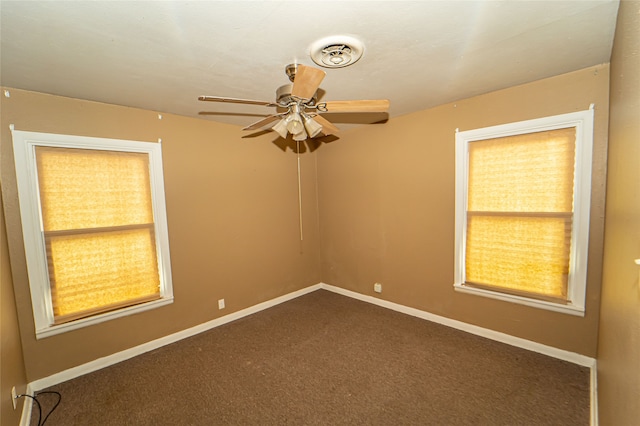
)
(37, 402)
(41, 422)
(54, 407)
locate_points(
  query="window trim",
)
(24, 144)
(583, 122)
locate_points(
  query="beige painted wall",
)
(232, 207)
(12, 372)
(619, 338)
(384, 202)
(386, 205)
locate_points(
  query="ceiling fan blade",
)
(235, 101)
(261, 123)
(380, 105)
(307, 81)
(327, 127)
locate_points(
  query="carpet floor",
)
(327, 359)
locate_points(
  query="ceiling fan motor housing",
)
(283, 94)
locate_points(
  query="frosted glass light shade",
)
(281, 128)
(294, 125)
(300, 136)
(312, 126)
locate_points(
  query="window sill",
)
(570, 309)
(52, 330)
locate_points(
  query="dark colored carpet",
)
(326, 359)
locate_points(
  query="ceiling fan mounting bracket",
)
(291, 70)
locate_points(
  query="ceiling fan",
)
(297, 106)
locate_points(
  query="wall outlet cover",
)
(14, 397)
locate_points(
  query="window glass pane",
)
(81, 188)
(94, 272)
(526, 254)
(523, 173)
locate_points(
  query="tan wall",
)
(385, 202)
(12, 372)
(386, 205)
(619, 338)
(232, 207)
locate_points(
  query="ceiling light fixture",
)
(281, 128)
(300, 136)
(299, 124)
(294, 121)
(312, 127)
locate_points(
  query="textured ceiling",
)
(161, 55)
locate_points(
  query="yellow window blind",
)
(98, 227)
(520, 213)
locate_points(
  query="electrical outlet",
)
(221, 304)
(377, 287)
(14, 397)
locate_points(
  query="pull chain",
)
(299, 191)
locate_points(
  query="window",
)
(94, 226)
(522, 211)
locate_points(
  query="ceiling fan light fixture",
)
(281, 128)
(300, 136)
(312, 127)
(294, 124)
(294, 120)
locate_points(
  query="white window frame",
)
(577, 281)
(24, 144)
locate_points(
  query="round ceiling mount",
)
(336, 51)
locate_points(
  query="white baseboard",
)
(27, 406)
(469, 328)
(594, 394)
(572, 357)
(109, 360)
(115, 358)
